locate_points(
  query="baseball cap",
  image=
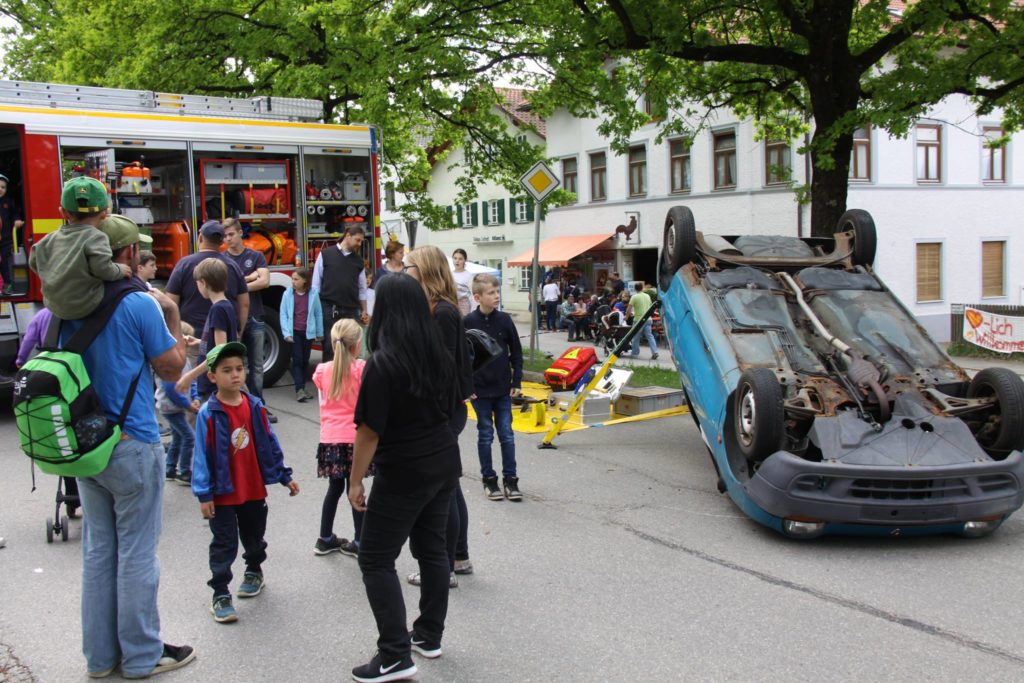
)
(211, 228)
(122, 231)
(213, 354)
(84, 195)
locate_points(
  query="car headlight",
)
(981, 527)
(803, 528)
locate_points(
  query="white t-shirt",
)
(551, 292)
(464, 290)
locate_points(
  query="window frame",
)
(574, 174)
(771, 146)
(859, 143)
(637, 167)
(466, 215)
(493, 212)
(917, 270)
(686, 166)
(724, 153)
(926, 145)
(988, 155)
(1002, 267)
(598, 171)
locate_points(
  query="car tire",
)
(277, 352)
(758, 414)
(1003, 429)
(865, 238)
(679, 244)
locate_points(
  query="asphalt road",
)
(623, 563)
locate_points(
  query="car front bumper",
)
(788, 487)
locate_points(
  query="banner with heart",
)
(993, 331)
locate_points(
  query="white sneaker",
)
(414, 579)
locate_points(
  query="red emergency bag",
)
(569, 367)
(265, 200)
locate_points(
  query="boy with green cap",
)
(74, 261)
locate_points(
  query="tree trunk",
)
(829, 188)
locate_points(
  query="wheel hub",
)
(748, 413)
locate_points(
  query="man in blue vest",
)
(340, 278)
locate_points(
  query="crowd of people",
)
(392, 391)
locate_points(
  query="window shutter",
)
(485, 214)
(450, 212)
(474, 216)
(992, 267)
(501, 212)
(512, 216)
(929, 271)
(529, 209)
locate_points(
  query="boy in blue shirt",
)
(221, 326)
(236, 455)
(495, 384)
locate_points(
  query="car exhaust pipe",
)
(818, 325)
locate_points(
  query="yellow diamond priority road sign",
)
(539, 181)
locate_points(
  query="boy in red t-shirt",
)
(236, 454)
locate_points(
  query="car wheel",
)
(277, 353)
(1001, 429)
(758, 414)
(865, 239)
(679, 244)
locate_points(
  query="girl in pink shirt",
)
(338, 384)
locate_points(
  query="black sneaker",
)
(334, 545)
(422, 646)
(350, 548)
(511, 485)
(377, 670)
(271, 417)
(170, 475)
(184, 479)
(173, 657)
(491, 488)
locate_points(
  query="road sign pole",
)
(536, 285)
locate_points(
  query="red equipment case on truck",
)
(565, 372)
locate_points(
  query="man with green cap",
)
(75, 261)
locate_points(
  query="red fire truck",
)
(172, 162)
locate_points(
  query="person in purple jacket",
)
(34, 335)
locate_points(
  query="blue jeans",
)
(648, 332)
(253, 338)
(183, 442)
(121, 509)
(495, 413)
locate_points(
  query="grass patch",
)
(968, 350)
(643, 375)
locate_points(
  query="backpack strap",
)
(94, 324)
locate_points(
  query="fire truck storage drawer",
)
(217, 172)
(249, 171)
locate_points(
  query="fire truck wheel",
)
(277, 353)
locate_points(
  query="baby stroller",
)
(67, 495)
(608, 332)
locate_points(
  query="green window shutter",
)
(474, 216)
(543, 211)
(449, 211)
(501, 212)
(512, 210)
(529, 210)
(485, 215)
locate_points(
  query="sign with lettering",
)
(993, 331)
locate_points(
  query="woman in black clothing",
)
(402, 425)
(429, 266)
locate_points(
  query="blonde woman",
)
(429, 267)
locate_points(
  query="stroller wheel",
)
(49, 530)
(64, 528)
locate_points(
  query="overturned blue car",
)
(825, 406)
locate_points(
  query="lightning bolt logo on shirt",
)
(240, 438)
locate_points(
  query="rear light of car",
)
(982, 527)
(803, 527)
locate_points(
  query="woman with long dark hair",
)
(402, 426)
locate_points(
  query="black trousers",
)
(457, 533)
(333, 314)
(230, 523)
(7, 263)
(335, 489)
(397, 511)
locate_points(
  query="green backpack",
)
(61, 423)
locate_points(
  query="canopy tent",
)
(476, 268)
(556, 251)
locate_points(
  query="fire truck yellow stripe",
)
(42, 226)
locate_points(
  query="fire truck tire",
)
(277, 352)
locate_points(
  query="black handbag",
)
(483, 348)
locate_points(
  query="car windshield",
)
(759, 309)
(875, 325)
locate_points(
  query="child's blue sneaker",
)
(222, 610)
(252, 585)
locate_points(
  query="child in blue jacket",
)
(302, 323)
(236, 455)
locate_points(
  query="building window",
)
(637, 171)
(993, 269)
(569, 172)
(993, 158)
(495, 214)
(725, 160)
(598, 173)
(679, 165)
(654, 106)
(929, 271)
(776, 162)
(860, 157)
(525, 276)
(929, 153)
(467, 215)
(521, 210)
(389, 196)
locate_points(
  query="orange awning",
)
(556, 251)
